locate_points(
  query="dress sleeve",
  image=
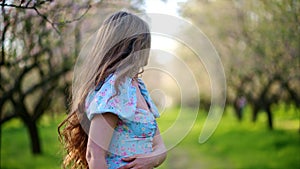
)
(122, 105)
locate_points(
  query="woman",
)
(112, 104)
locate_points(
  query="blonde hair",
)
(121, 47)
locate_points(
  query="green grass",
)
(239, 145)
(233, 145)
(15, 146)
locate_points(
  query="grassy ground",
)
(15, 150)
(234, 145)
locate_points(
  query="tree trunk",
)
(254, 113)
(238, 112)
(34, 137)
(270, 117)
(1, 141)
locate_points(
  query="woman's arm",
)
(148, 161)
(100, 134)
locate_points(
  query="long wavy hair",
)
(122, 47)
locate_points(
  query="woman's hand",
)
(148, 161)
(140, 161)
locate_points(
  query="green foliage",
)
(233, 145)
(258, 42)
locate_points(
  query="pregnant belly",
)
(127, 148)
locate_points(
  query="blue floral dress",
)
(136, 127)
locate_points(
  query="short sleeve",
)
(100, 101)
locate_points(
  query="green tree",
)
(34, 58)
(40, 41)
(259, 44)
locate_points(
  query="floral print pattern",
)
(136, 127)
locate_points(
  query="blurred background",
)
(258, 43)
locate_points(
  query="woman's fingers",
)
(128, 166)
(130, 158)
(137, 161)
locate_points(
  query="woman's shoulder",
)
(110, 81)
(107, 99)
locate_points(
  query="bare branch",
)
(76, 19)
(43, 103)
(46, 18)
(42, 83)
(20, 6)
(16, 6)
(28, 3)
(35, 8)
